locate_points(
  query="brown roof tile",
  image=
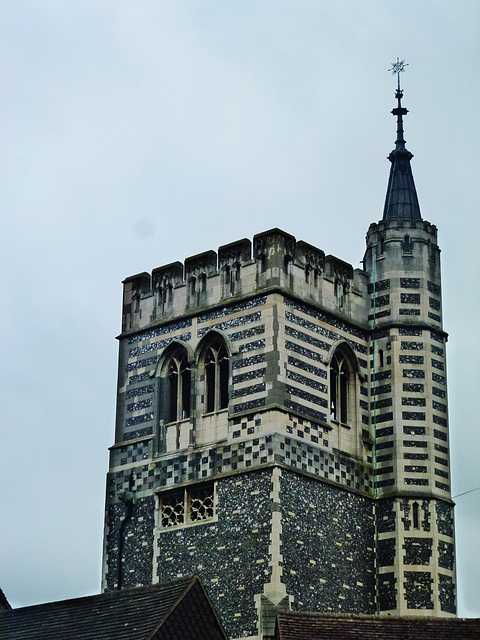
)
(179, 609)
(319, 626)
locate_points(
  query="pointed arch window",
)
(343, 387)
(179, 381)
(216, 377)
(339, 388)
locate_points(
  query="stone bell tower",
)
(282, 425)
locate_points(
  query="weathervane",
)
(398, 67)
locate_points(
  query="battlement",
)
(275, 259)
(397, 238)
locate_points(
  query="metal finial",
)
(397, 68)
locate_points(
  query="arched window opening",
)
(307, 273)
(216, 377)
(340, 374)
(172, 391)
(210, 371)
(179, 387)
(223, 367)
(407, 244)
(415, 515)
(202, 281)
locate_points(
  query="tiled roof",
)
(4, 604)
(176, 610)
(319, 626)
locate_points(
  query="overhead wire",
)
(465, 493)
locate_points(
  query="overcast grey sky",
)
(139, 132)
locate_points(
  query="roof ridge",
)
(375, 617)
(117, 594)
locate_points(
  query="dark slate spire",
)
(401, 200)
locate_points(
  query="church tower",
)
(415, 530)
(282, 425)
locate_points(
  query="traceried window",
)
(216, 377)
(186, 506)
(342, 387)
(172, 509)
(178, 386)
(339, 378)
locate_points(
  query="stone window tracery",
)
(216, 363)
(172, 510)
(342, 388)
(177, 377)
(186, 506)
(339, 377)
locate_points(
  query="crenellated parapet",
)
(231, 257)
(275, 260)
(403, 262)
(412, 239)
